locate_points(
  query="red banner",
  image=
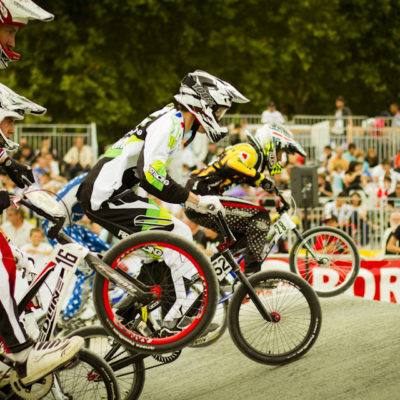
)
(377, 279)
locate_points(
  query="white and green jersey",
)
(139, 157)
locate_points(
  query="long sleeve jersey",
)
(238, 164)
(139, 157)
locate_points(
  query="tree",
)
(115, 61)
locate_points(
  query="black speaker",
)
(304, 185)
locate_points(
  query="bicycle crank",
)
(36, 390)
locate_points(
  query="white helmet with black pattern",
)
(18, 12)
(271, 139)
(208, 98)
(15, 106)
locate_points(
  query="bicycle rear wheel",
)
(293, 304)
(180, 286)
(337, 261)
(128, 369)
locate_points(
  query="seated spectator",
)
(25, 154)
(211, 155)
(325, 157)
(394, 198)
(79, 158)
(350, 154)
(210, 241)
(272, 115)
(338, 160)
(337, 176)
(236, 134)
(40, 167)
(391, 236)
(360, 157)
(385, 169)
(45, 148)
(16, 227)
(354, 178)
(341, 209)
(37, 248)
(359, 218)
(324, 187)
(371, 158)
(7, 184)
(394, 109)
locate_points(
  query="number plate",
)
(283, 224)
(221, 267)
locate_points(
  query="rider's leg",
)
(132, 214)
(244, 218)
(33, 360)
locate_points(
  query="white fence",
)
(61, 136)
(313, 132)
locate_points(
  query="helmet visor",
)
(220, 112)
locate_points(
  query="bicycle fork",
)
(250, 290)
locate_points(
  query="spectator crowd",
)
(352, 183)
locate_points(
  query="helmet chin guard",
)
(207, 98)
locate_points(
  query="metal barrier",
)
(61, 136)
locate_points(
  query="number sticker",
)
(221, 267)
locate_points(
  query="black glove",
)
(268, 184)
(20, 174)
(4, 200)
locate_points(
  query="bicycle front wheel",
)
(327, 258)
(180, 286)
(88, 377)
(297, 318)
(127, 366)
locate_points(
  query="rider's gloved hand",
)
(4, 200)
(268, 184)
(208, 205)
(20, 174)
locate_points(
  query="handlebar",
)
(45, 206)
(285, 205)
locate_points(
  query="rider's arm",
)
(240, 161)
(160, 145)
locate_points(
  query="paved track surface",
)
(357, 356)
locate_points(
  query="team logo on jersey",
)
(158, 176)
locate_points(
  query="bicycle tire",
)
(221, 318)
(130, 379)
(155, 243)
(286, 296)
(340, 256)
(87, 376)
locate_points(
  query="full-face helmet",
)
(208, 98)
(18, 12)
(15, 106)
(271, 139)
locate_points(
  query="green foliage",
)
(114, 61)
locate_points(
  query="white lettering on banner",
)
(369, 284)
(325, 278)
(390, 283)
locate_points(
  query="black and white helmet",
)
(208, 98)
(18, 12)
(15, 106)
